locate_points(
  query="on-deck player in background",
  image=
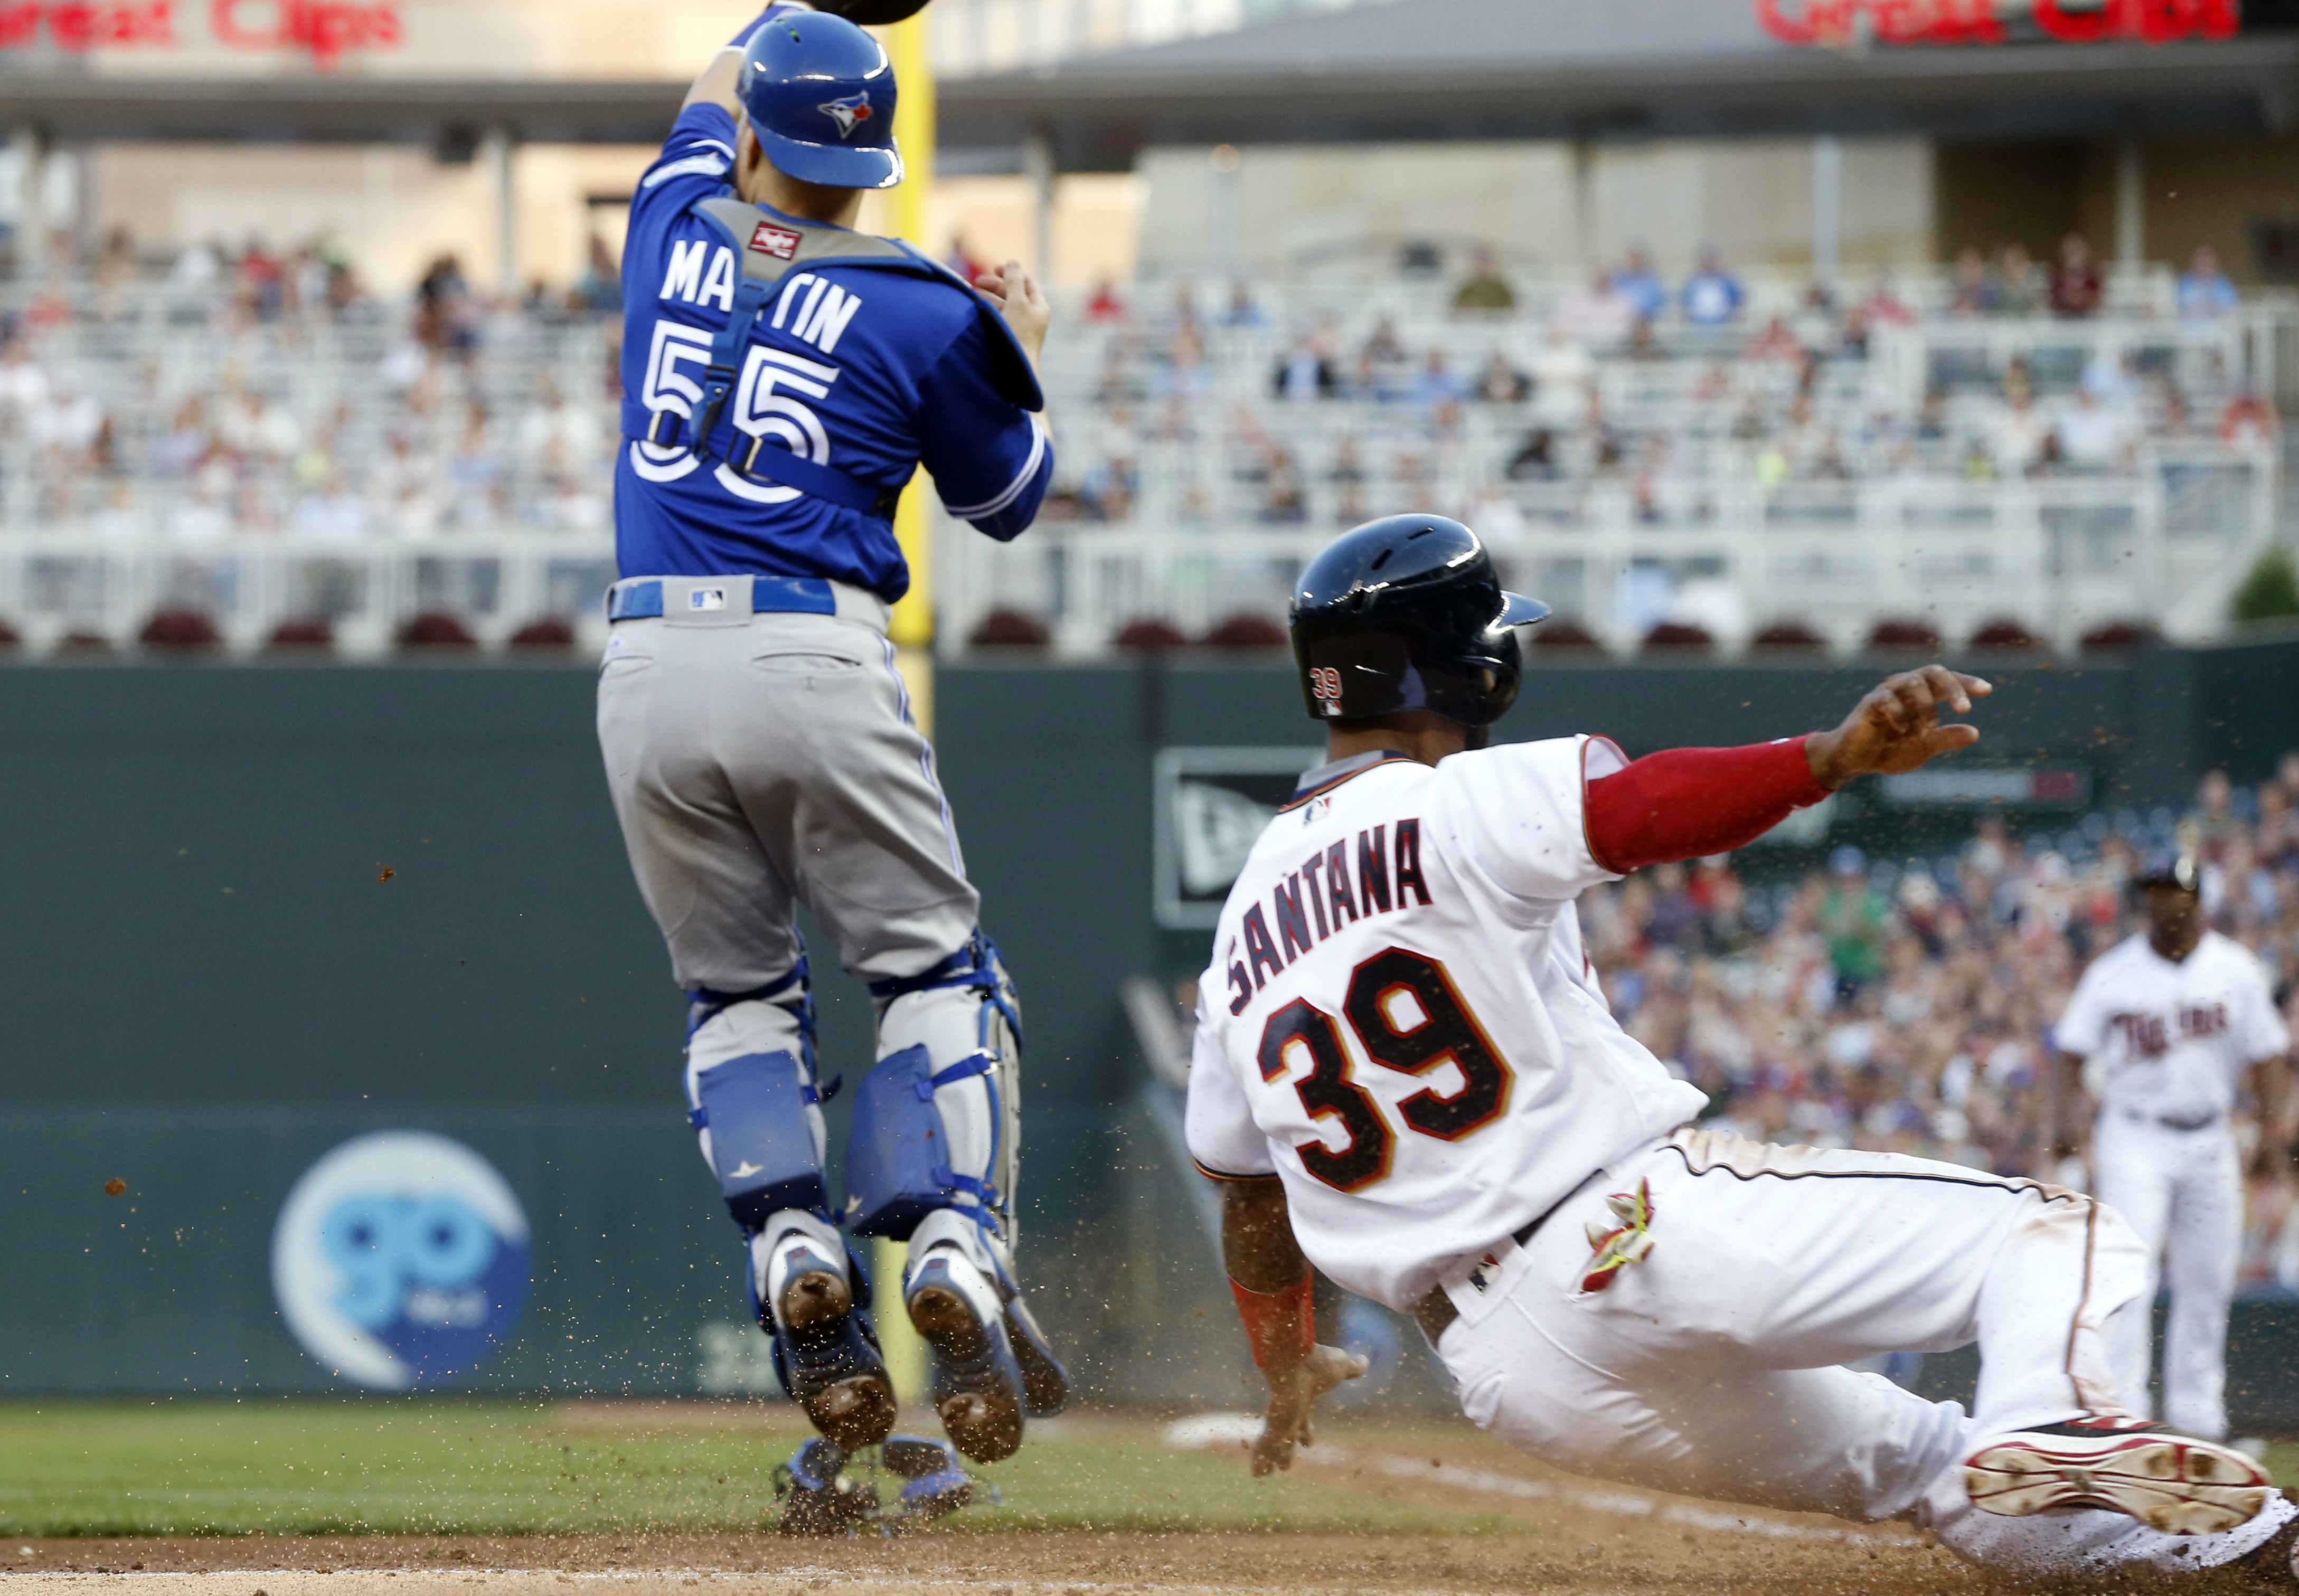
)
(2163, 1029)
(784, 376)
(1405, 1073)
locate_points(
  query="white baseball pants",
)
(2182, 1191)
(1707, 1367)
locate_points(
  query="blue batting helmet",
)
(820, 96)
(1407, 613)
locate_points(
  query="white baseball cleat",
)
(2170, 1483)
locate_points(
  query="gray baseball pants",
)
(761, 762)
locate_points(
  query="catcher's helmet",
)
(820, 95)
(1405, 613)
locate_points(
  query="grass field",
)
(445, 1466)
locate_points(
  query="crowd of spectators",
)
(1906, 1005)
(228, 392)
(249, 390)
(1672, 389)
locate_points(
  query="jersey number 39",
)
(1445, 1032)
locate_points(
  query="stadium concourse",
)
(250, 441)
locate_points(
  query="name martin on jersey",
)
(2149, 1036)
(1320, 897)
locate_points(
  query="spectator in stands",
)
(2092, 434)
(2018, 438)
(1563, 374)
(24, 385)
(1105, 305)
(1598, 315)
(1382, 369)
(2075, 288)
(1853, 915)
(598, 290)
(962, 260)
(2021, 288)
(1973, 290)
(1637, 283)
(444, 318)
(1484, 291)
(1501, 383)
(2249, 420)
(1436, 385)
(1711, 296)
(1284, 501)
(2204, 290)
(1775, 341)
(1307, 369)
(1242, 314)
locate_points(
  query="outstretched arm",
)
(1685, 803)
(1270, 1279)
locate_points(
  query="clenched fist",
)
(1896, 727)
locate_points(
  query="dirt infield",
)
(1575, 1556)
(1577, 1535)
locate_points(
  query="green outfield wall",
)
(254, 911)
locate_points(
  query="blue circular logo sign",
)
(399, 1259)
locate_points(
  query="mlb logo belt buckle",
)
(706, 597)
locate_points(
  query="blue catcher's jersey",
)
(870, 371)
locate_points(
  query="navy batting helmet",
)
(1405, 613)
(820, 96)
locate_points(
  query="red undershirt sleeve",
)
(1685, 803)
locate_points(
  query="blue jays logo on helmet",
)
(849, 112)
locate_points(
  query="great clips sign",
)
(326, 30)
(1841, 23)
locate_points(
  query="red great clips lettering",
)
(327, 30)
(1835, 23)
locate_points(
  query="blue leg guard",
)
(931, 1161)
(759, 1116)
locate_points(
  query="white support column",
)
(1222, 220)
(1038, 167)
(2130, 205)
(31, 152)
(495, 152)
(1584, 204)
(1827, 209)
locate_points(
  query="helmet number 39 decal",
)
(1325, 684)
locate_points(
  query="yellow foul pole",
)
(912, 629)
(906, 44)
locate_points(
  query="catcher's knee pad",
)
(760, 1118)
(935, 1120)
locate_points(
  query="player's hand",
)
(1020, 300)
(1896, 727)
(1292, 1392)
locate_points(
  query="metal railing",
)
(52, 587)
(2060, 556)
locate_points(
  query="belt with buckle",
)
(642, 598)
(1435, 1312)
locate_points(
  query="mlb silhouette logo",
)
(768, 239)
(706, 597)
(849, 112)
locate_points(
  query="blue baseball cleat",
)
(825, 1351)
(1045, 1383)
(932, 1482)
(978, 1382)
(819, 1497)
